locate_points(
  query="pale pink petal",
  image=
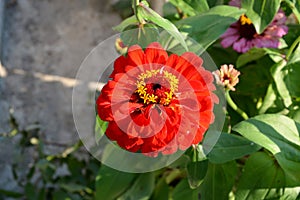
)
(241, 46)
(230, 31)
(267, 43)
(228, 41)
(236, 3)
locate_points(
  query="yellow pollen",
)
(151, 98)
(141, 89)
(245, 20)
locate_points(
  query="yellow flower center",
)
(245, 20)
(157, 86)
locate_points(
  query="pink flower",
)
(242, 35)
(227, 76)
(236, 3)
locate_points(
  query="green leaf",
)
(291, 75)
(230, 147)
(286, 76)
(191, 7)
(150, 15)
(293, 34)
(123, 8)
(47, 169)
(30, 192)
(261, 12)
(209, 26)
(111, 183)
(199, 6)
(272, 102)
(196, 172)
(213, 3)
(100, 128)
(218, 181)
(221, 55)
(73, 187)
(161, 191)
(183, 191)
(126, 23)
(294, 5)
(280, 135)
(9, 193)
(253, 84)
(278, 77)
(262, 178)
(255, 54)
(59, 194)
(141, 189)
(184, 7)
(142, 36)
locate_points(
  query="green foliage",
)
(111, 183)
(261, 12)
(183, 191)
(142, 188)
(231, 147)
(262, 178)
(218, 181)
(196, 172)
(257, 158)
(41, 180)
(207, 27)
(279, 135)
(148, 14)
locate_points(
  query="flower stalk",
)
(233, 105)
(294, 9)
(292, 48)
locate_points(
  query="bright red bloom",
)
(157, 103)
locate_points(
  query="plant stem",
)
(294, 9)
(135, 3)
(234, 106)
(292, 48)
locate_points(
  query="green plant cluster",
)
(256, 157)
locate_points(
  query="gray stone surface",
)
(44, 43)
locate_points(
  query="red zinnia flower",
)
(157, 103)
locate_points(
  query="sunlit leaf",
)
(280, 135)
(125, 23)
(150, 15)
(184, 7)
(281, 86)
(100, 128)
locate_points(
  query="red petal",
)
(135, 55)
(119, 66)
(156, 54)
(193, 59)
